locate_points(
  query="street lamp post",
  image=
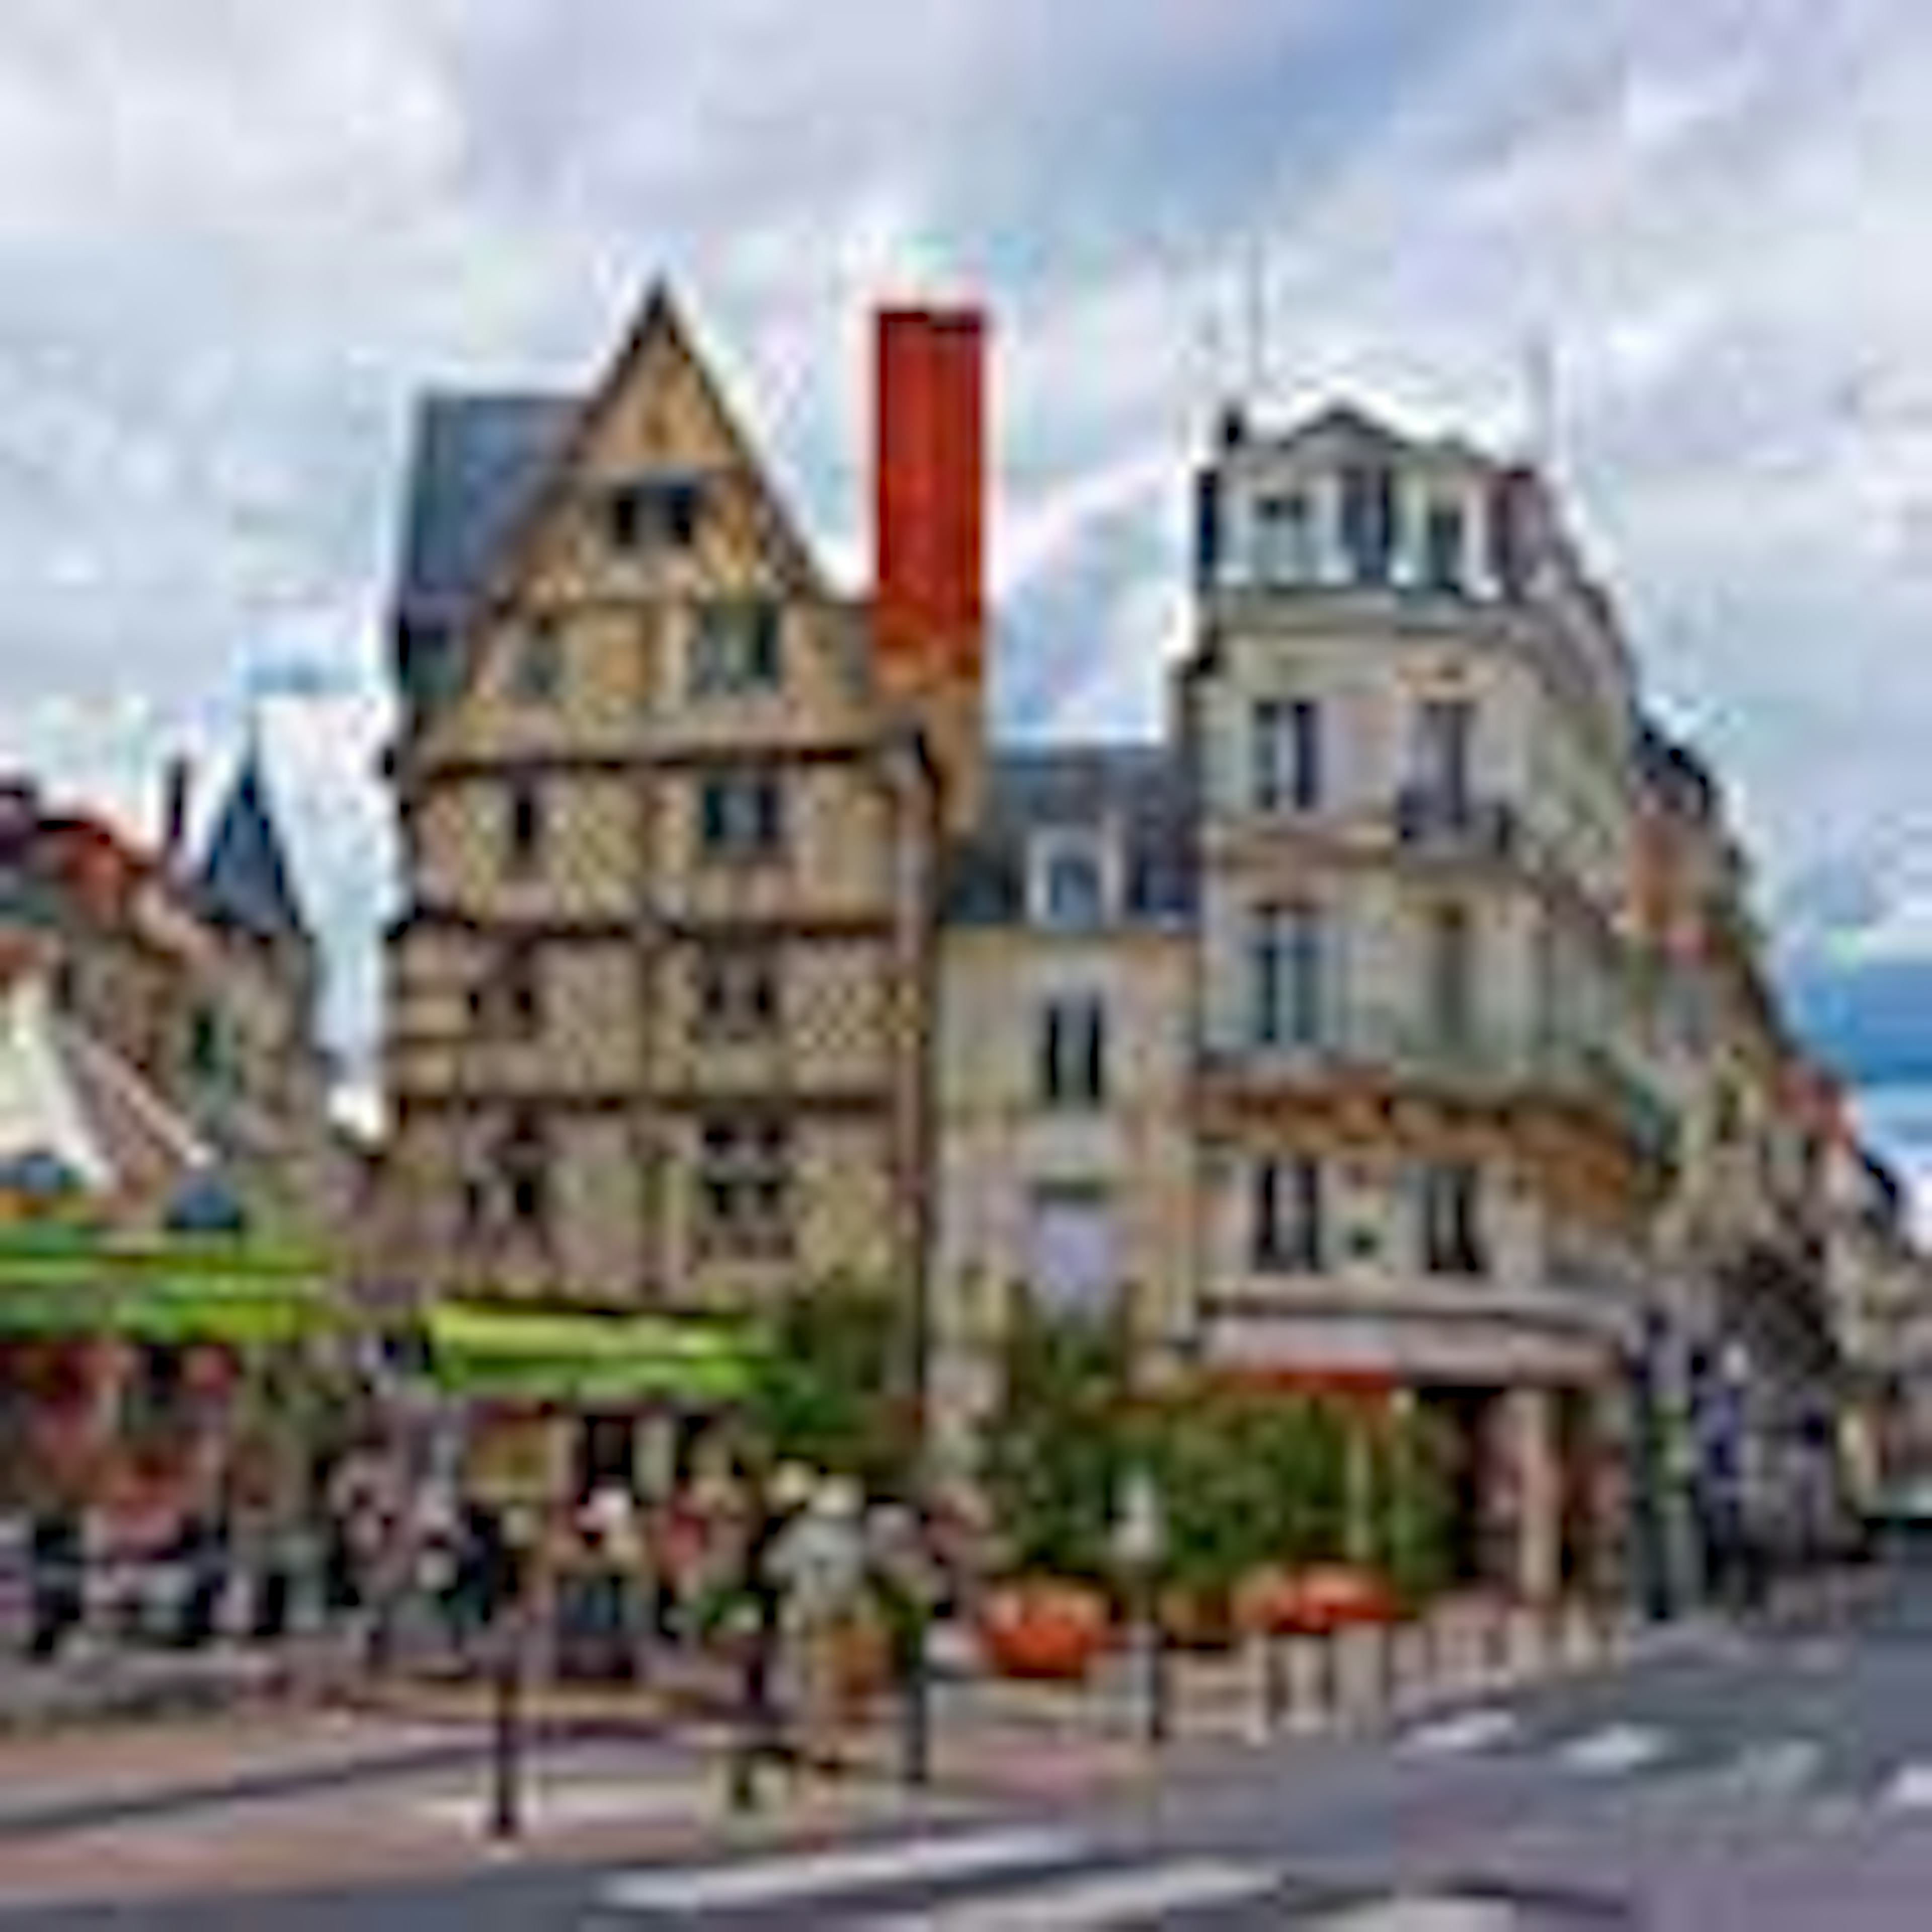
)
(508, 1614)
(1140, 1544)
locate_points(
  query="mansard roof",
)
(1140, 790)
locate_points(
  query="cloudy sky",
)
(236, 238)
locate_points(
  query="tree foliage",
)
(829, 1388)
(1059, 1443)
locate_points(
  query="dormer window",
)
(1070, 880)
(1368, 521)
(1445, 534)
(1284, 537)
(651, 514)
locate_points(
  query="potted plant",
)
(1054, 1460)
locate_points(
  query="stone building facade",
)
(197, 968)
(659, 997)
(1383, 1027)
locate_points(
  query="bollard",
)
(1274, 1683)
(1158, 1718)
(1495, 1638)
(506, 1755)
(1329, 1678)
(1385, 1638)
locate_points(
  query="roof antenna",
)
(1254, 280)
(1540, 377)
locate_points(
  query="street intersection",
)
(1777, 1778)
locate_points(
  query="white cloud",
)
(236, 238)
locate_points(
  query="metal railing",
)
(1432, 818)
(1474, 1060)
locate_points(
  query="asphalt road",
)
(1773, 1780)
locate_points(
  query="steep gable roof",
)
(245, 876)
(488, 471)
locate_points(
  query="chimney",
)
(177, 782)
(929, 603)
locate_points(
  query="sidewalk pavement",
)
(360, 1817)
(296, 1798)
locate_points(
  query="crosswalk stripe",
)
(563, 1806)
(859, 1868)
(1466, 1732)
(1137, 1897)
(1615, 1749)
(1427, 1915)
(1778, 1765)
(1909, 1789)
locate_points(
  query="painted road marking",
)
(818, 1874)
(1139, 1896)
(562, 1807)
(1910, 1789)
(1428, 1914)
(1777, 1766)
(1465, 1733)
(1614, 1749)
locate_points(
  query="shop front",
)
(591, 1447)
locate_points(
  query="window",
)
(737, 646)
(1368, 521)
(737, 991)
(1451, 1229)
(1287, 1220)
(1287, 754)
(1444, 531)
(1451, 974)
(655, 513)
(1072, 1051)
(207, 1051)
(519, 991)
(524, 1166)
(1288, 948)
(741, 815)
(744, 1188)
(1445, 730)
(1075, 893)
(526, 832)
(1284, 538)
(1071, 1264)
(537, 669)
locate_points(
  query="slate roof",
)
(476, 462)
(1141, 788)
(1675, 770)
(245, 878)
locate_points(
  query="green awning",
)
(58, 1281)
(584, 1360)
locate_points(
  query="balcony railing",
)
(1431, 819)
(1476, 1062)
